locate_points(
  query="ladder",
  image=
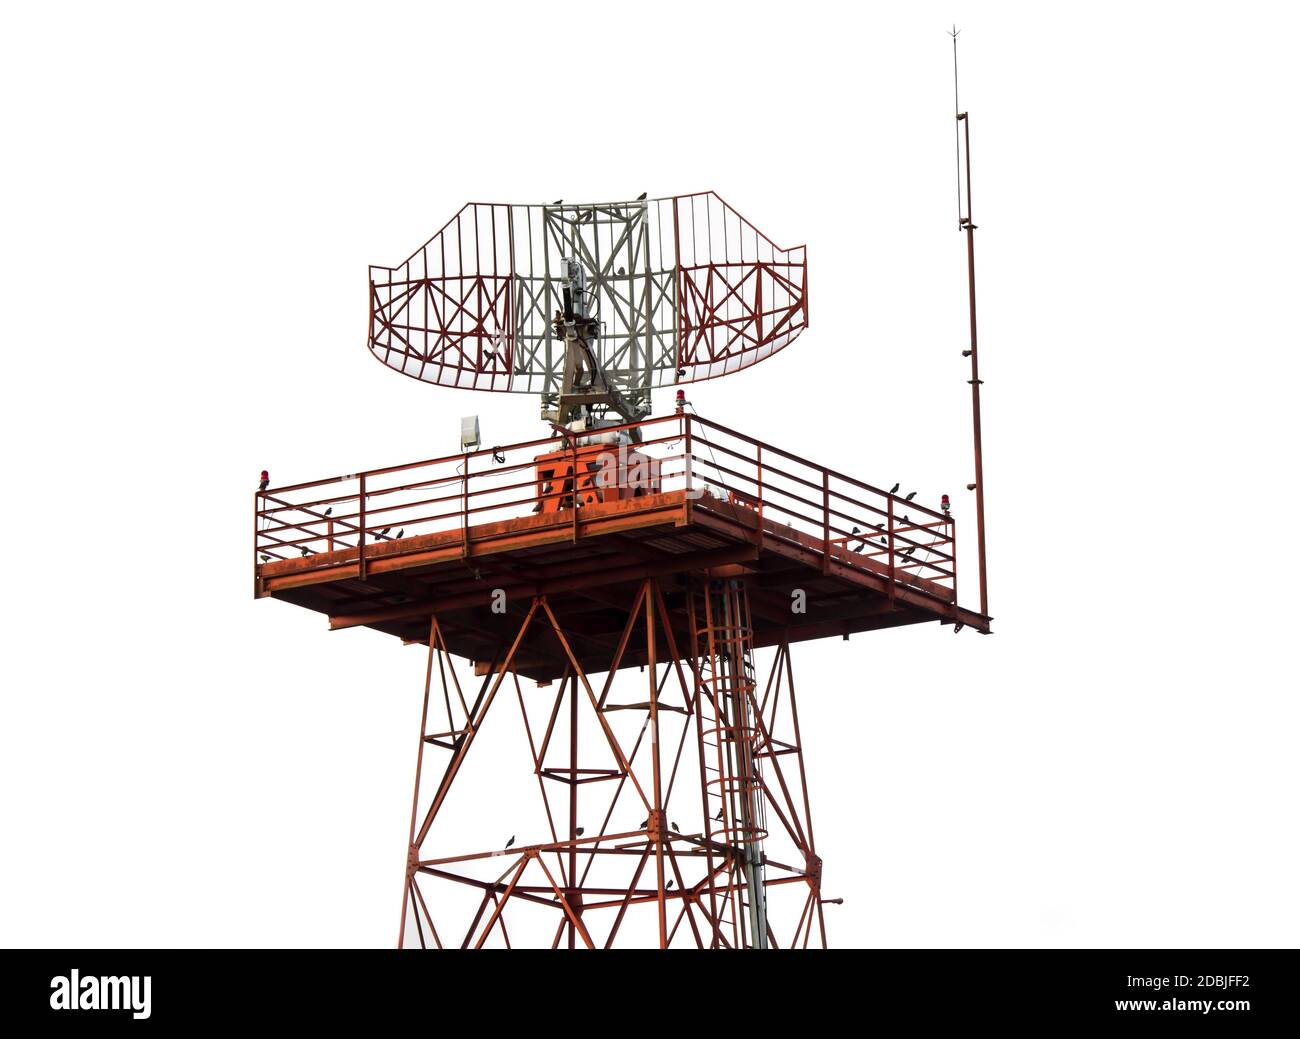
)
(735, 816)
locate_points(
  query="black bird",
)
(579, 831)
(884, 541)
(909, 551)
(910, 496)
(894, 489)
(641, 197)
(621, 272)
(668, 885)
(644, 823)
(681, 373)
(329, 511)
(400, 533)
(557, 201)
(718, 817)
(264, 557)
(306, 551)
(511, 841)
(855, 530)
(674, 826)
(878, 526)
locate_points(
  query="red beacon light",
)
(681, 401)
(945, 504)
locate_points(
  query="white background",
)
(191, 196)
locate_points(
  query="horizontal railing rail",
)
(846, 523)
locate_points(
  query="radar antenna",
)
(589, 305)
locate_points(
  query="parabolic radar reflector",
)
(672, 290)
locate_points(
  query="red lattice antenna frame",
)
(685, 288)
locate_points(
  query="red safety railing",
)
(843, 521)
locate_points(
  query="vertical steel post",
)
(412, 852)
(573, 802)
(361, 528)
(890, 521)
(259, 503)
(654, 758)
(966, 222)
(826, 521)
(969, 227)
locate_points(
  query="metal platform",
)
(467, 537)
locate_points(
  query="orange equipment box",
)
(604, 472)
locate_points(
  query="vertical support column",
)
(657, 819)
(574, 896)
(815, 861)
(411, 852)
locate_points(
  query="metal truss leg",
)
(705, 884)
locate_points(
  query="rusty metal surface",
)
(666, 588)
(783, 524)
(696, 828)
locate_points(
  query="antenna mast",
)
(965, 222)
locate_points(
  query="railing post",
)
(464, 507)
(686, 422)
(952, 551)
(361, 527)
(826, 521)
(760, 496)
(259, 503)
(890, 521)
